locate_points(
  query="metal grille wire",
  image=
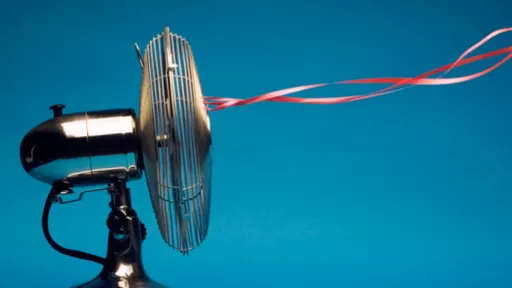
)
(176, 141)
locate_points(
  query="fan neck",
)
(126, 233)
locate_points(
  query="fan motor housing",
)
(86, 148)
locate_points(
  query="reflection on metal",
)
(99, 126)
(176, 141)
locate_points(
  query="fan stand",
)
(123, 265)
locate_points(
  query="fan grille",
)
(176, 141)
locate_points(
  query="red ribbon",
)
(219, 103)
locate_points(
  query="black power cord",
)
(56, 190)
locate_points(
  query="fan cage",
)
(180, 160)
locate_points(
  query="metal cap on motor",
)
(85, 148)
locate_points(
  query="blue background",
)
(406, 190)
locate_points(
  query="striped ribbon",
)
(398, 83)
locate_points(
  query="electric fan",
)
(170, 142)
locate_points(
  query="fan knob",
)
(143, 231)
(116, 222)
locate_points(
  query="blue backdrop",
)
(406, 190)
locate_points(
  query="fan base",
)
(123, 267)
(132, 282)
